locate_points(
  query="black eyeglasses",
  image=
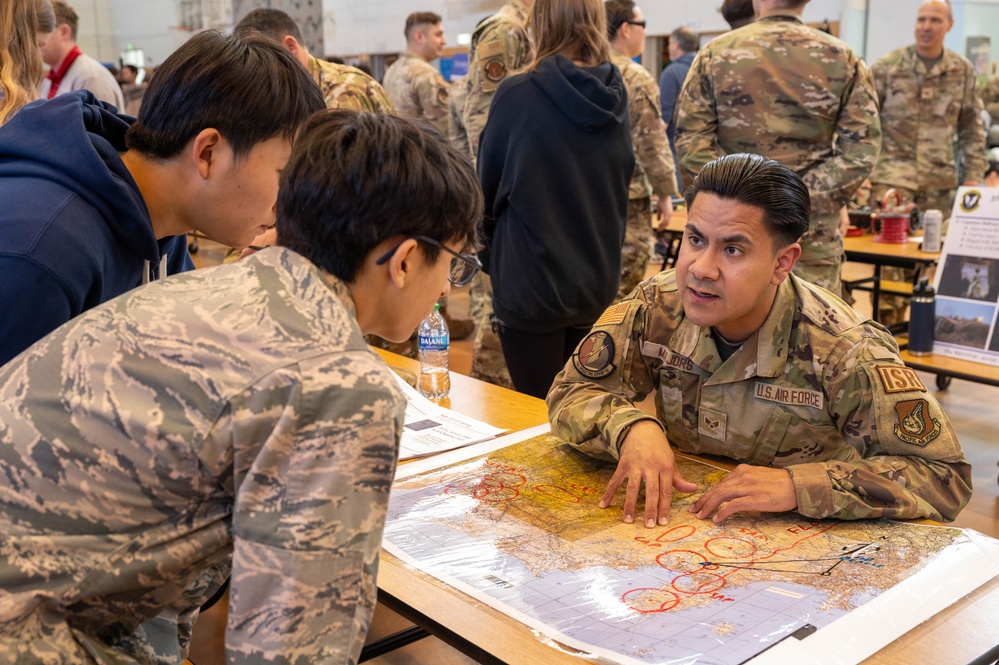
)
(463, 266)
(640, 24)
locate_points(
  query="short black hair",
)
(738, 13)
(416, 19)
(272, 23)
(763, 183)
(131, 68)
(355, 180)
(249, 89)
(619, 12)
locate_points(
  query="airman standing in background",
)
(415, 87)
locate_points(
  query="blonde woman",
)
(555, 161)
(23, 26)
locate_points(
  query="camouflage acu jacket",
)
(990, 98)
(417, 90)
(346, 87)
(228, 419)
(781, 89)
(654, 170)
(500, 46)
(921, 111)
(818, 390)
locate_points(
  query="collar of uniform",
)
(917, 65)
(409, 54)
(291, 261)
(773, 339)
(780, 17)
(314, 68)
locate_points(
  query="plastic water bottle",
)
(435, 342)
(922, 318)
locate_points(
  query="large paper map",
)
(519, 528)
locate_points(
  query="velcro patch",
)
(712, 424)
(494, 70)
(613, 316)
(594, 357)
(915, 425)
(790, 396)
(899, 379)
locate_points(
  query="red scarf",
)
(55, 75)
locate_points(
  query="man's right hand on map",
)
(645, 455)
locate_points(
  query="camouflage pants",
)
(637, 246)
(488, 363)
(823, 267)
(893, 308)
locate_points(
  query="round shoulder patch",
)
(594, 357)
(494, 70)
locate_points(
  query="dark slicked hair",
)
(272, 23)
(763, 183)
(250, 90)
(416, 19)
(355, 180)
(738, 13)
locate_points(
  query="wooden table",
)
(966, 632)
(863, 249)
(947, 368)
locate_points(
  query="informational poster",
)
(979, 52)
(967, 279)
(514, 523)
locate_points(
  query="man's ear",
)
(205, 151)
(401, 264)
(784, 262)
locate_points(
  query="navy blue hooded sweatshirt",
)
(74, 229)
(555, 163)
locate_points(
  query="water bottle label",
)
(433, 342)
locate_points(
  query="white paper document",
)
(431, 428)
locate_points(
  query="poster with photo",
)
(967, 279)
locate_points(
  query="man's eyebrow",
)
(735, 238)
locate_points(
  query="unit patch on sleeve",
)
(594, 357)
(899, 379)
(915, 425)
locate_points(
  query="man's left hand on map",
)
(748, 488)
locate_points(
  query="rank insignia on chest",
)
(915, 425)
(594, 357)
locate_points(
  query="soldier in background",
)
(781, 89)
(990, 98)
(654, 177)
(500, 46)
(683, 43)
(415, 87)
(343, 87)
(928, 94)
(232, 422)
(729, 343)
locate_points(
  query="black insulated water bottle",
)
(922, 316)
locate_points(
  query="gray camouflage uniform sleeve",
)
(696, 137)
(594, 415)
(310, 508)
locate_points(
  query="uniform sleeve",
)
(648, 135)
(696, 136)
(857, 144)
(432, 91)
(314, 451)
(496, 57)
(907, 462)
(971, 130)
(34, 303)
(591, 404)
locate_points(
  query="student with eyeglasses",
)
(232, 421)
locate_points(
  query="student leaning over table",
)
(749, 362)
(232, 420)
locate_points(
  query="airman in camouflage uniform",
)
(816, 390)
(654, 174)
(230, 421)
(779, 88)
(416, 88)
(927, 94)
(457, 95)
(343, 87)
(500, 46)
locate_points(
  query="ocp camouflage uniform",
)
(417, 90)
(654, 171)
(346, 87)
(922, 110)
(781, 89)
(990, 98)
(818, 390)
(500, 46)
(455, 107)
(229, 419)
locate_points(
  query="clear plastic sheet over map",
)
(514, 523)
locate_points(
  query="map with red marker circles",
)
(519, 528)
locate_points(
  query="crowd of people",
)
(165, 429)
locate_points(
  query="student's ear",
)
(784, 262)
(205, 151)
(401, 264)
